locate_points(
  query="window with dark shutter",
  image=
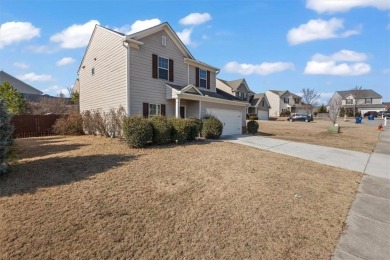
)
(208, 79)
(163, 109)
(170, 70)
(197, 77)
(146, 110)
(154, 66)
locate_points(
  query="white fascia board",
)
(128, 39)
(213, 100)
(200, 64)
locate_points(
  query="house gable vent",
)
(164, 41)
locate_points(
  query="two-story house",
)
(283, 101)
(151, 72)
(239, 88)
(364, 100)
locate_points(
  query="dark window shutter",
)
(146, 110)
(197, 77)
(163, 109)
(170, 70)
(208, 79)
(154, 66)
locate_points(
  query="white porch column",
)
(177, 110)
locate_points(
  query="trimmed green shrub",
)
(180, 130)
(137, 131)
(162, 129)
(71, 124)
(252, 127)
(211, 127)
(6, 130)
(195, 128)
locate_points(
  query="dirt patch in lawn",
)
(90, 197)
(357, 137)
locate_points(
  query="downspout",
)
(128, 106)
(188, 74)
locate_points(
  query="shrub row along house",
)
(151, 72)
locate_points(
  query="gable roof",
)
(235, 84)
(282, 92)
(168, 29)
(257, 98)
(363, 93)
(17, 84)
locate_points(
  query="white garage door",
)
(263, 115)
(231, 119)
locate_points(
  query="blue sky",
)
(327, 45)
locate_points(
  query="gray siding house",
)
(365, 100)
(152, 72)
(259, 106)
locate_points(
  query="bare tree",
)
(45, 105)
(334, 109)
(357, 94)
(310, 99)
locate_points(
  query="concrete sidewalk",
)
(367, 232)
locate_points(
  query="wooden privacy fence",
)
(33, 125)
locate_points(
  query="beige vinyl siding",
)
(206, 105)
(275, 103)
(192, 107)
(222, 86)
(107, 88)
(145, 88)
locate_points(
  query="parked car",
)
(375, 113)
(298, 117)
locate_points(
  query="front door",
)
(182, 112)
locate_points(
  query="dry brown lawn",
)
(357, 137)
(89, 197)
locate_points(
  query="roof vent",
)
(164, 41)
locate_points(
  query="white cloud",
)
(75, 36)
(56, 90)
(138, 25)
(41, 49)
(185, 36)
(333, 6)
(264, 68)
(195, 19)
(21, 65)
(319, 30)
(65, 61)
(351, 65)
(14, 32)
(35, 77)
(343, 55)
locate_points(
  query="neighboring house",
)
(19, 85)
(152, 72)
(76, 86)
(387, 105)
(239, 88)
(259, 106)
(365, 100)
(283, 101)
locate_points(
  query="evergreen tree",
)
(14, 100)
(5, 136)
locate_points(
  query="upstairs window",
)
(285, 100)
(349, 101)
(93, 71)
(242, 96)
(202, 78)
(296, 100)
(163, 68)
(368, 101)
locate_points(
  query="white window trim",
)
(200, 78)
(158, 109)
(158, 67)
